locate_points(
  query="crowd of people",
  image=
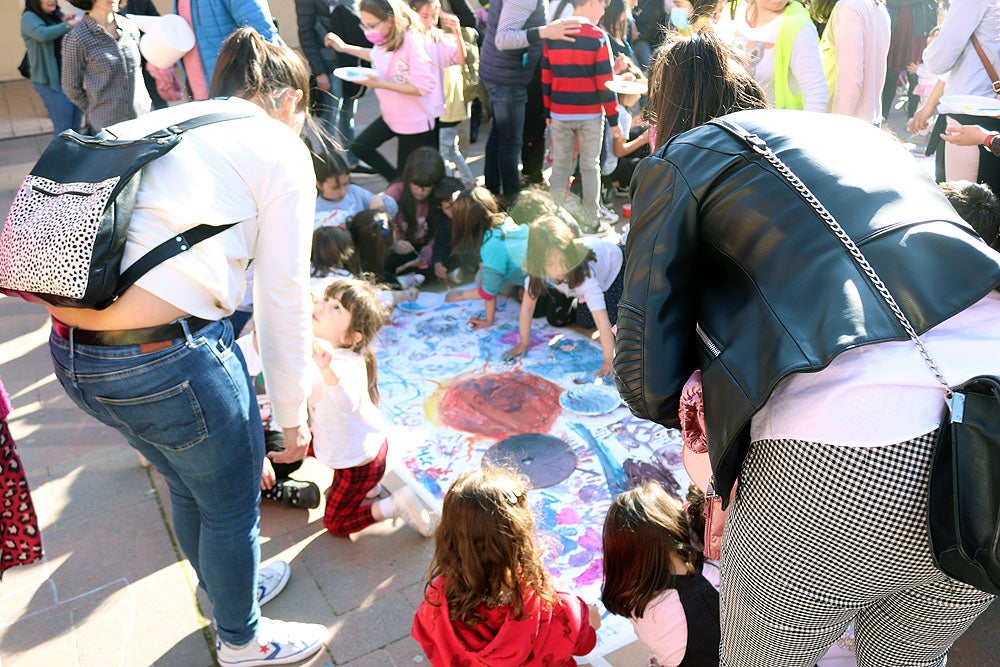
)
(228, 364)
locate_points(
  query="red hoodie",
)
(548, 636)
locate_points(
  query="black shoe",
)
(362, 168)
(294, 493)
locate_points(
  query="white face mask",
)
(680, 17)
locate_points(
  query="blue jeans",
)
(338, 117)
(503, 147)
(64, 114)
(190, 409)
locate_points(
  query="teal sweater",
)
(39, 39)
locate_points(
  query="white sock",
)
(386, 508)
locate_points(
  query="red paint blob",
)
(498, 405)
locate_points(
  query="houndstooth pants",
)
(819, 535)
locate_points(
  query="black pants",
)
(366, 144)
(533, 142)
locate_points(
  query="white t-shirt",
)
(348, 429)
(883, 394)
(603, 271)
(754, 47)
(254, 171)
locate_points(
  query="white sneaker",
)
(277, 643)
(408, 280)
(410, 511)
(606, 214)
(271, 580)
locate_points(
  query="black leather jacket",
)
(730, 270)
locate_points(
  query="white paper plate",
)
(354, 74)
(590, 400)
(425, 301)
(970, 105)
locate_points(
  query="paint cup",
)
(166, 41)
(627, 210)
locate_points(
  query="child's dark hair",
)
(372, 235)
(643, 528)
(424, 167)
(474, 213)
(485, 548)
(333, 248)
(978, 206)
(446, 190)
(363, 301)
(329, 164)
(550, 233)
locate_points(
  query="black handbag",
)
(24, 69)
(65, 234)
(963, 508)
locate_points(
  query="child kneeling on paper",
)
(349, 432)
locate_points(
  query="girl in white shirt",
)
(656, 578)
(778, 44)
(591, 269)
(349, 433)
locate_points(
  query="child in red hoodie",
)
(489, 600)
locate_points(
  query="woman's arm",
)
(807, 68)
(33, 27)
(972, 135)
(73, 60)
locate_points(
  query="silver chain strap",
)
(764, 150)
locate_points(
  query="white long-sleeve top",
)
(755, 46)
(254, 171)
(952, 53)
(348, 429)
(854, 48)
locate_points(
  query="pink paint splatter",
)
(592, 574)
(590, 540)
(567, 516)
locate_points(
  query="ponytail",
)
(372, 365)
(251, 68)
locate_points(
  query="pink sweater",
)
(410, 63)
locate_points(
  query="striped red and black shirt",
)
(574, 74)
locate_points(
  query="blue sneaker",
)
(277, 643)
(271, 580)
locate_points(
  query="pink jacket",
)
(410, 63)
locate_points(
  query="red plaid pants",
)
(344, 513)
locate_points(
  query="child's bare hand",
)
(606, 370)
(515, 352)
(267, 478)
(449, 22)
(478, 323)
(334, 42)
(440, 270)
(912, 68)
(322, 351)
(595, 616)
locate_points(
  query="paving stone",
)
(385, 620)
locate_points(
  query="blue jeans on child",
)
(190, 410)
(503, 147)
(64, 114)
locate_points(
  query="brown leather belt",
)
(149, 339)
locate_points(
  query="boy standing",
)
(574, 75)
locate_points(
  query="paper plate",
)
(970, 105)
(354, 74)
(590, 400)
(425, 301)
(627, 87)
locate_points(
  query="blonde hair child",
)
(349, 432)
(590, 269)
(488, 597)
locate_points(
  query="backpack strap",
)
(184, 240)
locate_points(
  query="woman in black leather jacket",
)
(814, 395)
